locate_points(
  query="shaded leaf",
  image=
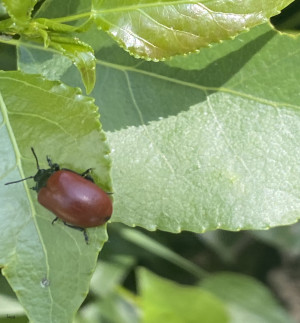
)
(286, 238)
(116, 308)
(247, 299)
(156, 248)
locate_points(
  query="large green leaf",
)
(222, 164)
(231, 160)
(155, 29)
(48, 266)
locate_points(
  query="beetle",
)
(72, 197)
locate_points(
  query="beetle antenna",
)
(49, 161)
(36, 159)
(20, 180)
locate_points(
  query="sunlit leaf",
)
(19, 10)
(48, 266)
(154, 29)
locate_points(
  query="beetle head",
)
(42, 175)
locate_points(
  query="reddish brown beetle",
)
(74, 198)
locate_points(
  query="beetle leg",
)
(54, 167)
(87, 175)
(86, 238)
(55, 220)
(86, 172)
(49, 161)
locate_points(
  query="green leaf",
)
(177, 303)
(81, 54)
(247, 299)
(19, 11)
(154, 29)
(219, 163)
(55, 36)
(46, 264)
(72, 50)
(229, 161)
(50, 65)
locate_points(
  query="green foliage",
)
(156, 248)
(149, 29)
(247, 300)
(200, 142)
(177, 304)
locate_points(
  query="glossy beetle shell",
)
(75, 199)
